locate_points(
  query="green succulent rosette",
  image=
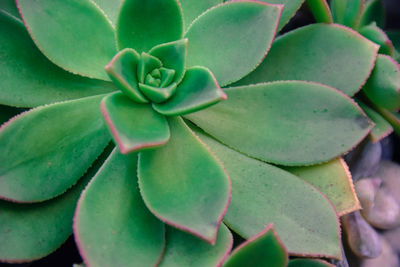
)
(213, 127)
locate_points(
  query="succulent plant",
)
(218, 127)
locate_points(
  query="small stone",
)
(389, 172)
(388, 257)
(393, 237)
(361, 237)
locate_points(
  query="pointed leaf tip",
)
(183, 184)
(133, 126)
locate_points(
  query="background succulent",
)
(147, 207)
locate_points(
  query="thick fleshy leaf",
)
(122, 71)
(392, 117)
(193, 8)
(263, 194)
(143, 25)
(172, 56)
(383, 86)
(340, 58)
(320, 10)
(183, 184)
(321, 123)
(378, 36)
(29, 79)
(333, 179)
(32, 231)
(110, 8)
(263, 249)
(10, 8)
(112, 225)
(198, 90)
(289, 9)
(395, 38)
(184, 249)
(374, 10)
(226, 49)
(73, 34)
(309, 263)
(46, 150)
(133, 126)
(382, 127)
(347, 12)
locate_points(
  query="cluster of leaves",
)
(185, 171)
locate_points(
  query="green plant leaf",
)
(320, 10)
(144, 25)
(383, 86)
(29, 79)
(183, 184)
(264, 194)
(198, 90)
(313, 130)
(7, 113)
(347, 12)
(9, 7)
(382, 127)
(184, 249)
(112, 225)
(226, 49)
(378, 36)
(110, 8)
(374, 11)
(309, 263)
(69, 34)
(133, 126)
(46, 150)
(32, 231)
(333, 179)
(263, 249)
(340, 58)
(122, 71)
(193, 8)
(173, 56)
(289, 9)
(394, 36)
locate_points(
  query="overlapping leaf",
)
(183, 184)
(226, 49)
(340, 58)
(320, 10)
(110, 8)
(69, 34)
(347, 12)
(46, 150)
(382, 127)
(263, 194)
(183, 249)
(289, 9)
(194, 8)
(29, 79)
(320, 124)
(112, 225)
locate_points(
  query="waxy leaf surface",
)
(289, 9)
(263, 249)
(320, 10)
(347, 12)
(333, 179)
(173, 56)
(9, 7)
(194, 8)
(198, 90)
(46, 150)
(183, 184)
(383, 87)
(226, 49)
(264, 194)
(112, 225)
(32, 231)
(378, 36)
(110, 8)
(74, 34)
(321, 123)
(29, 79)
(340, 58)
(309, 263)
(142, 25)
(183, 249)
(382, 127)
(133, 126)
(374, 10)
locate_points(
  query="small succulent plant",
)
(218, 126)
